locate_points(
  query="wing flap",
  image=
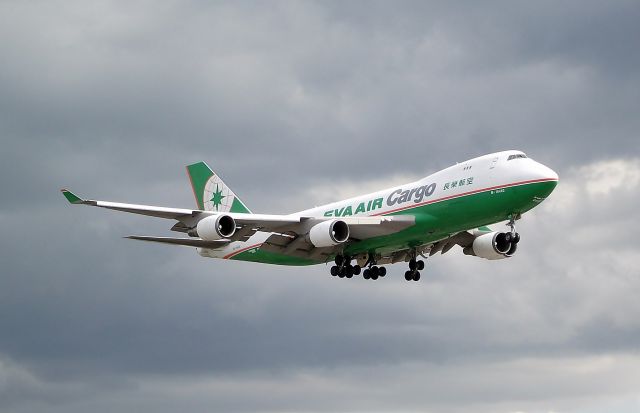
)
(247, 224)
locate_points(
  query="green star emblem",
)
(217, 197)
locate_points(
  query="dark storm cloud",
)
(288, 100)
(458, 80)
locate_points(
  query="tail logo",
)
(217, 197)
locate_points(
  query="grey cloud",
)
(140, 78)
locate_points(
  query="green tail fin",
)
(211, 193)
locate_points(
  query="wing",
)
(247, 224)
(153, 211)
(289, 232)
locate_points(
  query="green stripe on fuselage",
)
(437, 220)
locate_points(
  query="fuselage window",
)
(520, 155)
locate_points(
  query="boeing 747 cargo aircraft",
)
(405, 223)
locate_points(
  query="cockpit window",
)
(519, 155)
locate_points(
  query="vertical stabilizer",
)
(211, 193)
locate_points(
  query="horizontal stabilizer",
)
(189, 242)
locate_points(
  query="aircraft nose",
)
(547, 178)
(544, 172)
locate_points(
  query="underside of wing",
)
(296, 246)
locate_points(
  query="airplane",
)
(404, 223)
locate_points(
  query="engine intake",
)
(493, 246)
(216, 227)
(329, 233)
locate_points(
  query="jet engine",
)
(216, 227)
(493, 246)
(329, 233)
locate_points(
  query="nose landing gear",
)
(512, 236)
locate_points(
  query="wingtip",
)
(71, 197)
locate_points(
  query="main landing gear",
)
(415, 266)
(343, 267)
(373, 272)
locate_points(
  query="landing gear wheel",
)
(412, 264)
(408, 275)
(416, 276)
(342, 273)
(334, 270)
(349, 271)
(420, 265)
(366, 274)
(516, 238)
(374, 273)
(383, 271)
(356, 270)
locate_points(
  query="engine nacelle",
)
(216, 227)
(329, 233)
(492, 246)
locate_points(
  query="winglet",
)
(71, 197)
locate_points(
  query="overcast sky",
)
(296, 104)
